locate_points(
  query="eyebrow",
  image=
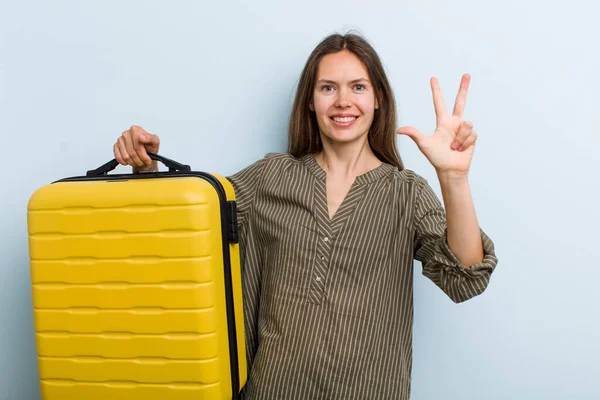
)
(334, 82)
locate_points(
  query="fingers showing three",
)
(461, 97)
(465, 137)
(438, 99)
(409, 131)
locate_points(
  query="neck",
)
(347, 159)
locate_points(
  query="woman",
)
(330, 229)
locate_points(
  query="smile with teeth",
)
(343, 119)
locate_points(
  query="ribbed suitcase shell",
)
(128, 288)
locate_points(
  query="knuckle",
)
(137, 130)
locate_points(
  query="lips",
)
(343, 120)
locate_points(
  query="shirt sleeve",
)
(245, 184)
(439, 263)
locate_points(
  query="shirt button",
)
(318, 279)
(322, 258)
(326, 239)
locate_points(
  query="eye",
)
(359, 87)
(327, 88)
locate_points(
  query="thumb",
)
(411, 132)
(148, 138)
(145, 138)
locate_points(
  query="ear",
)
(376, 104)
(311, 106)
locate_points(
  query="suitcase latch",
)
(232, 225)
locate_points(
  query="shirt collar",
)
(379, 172)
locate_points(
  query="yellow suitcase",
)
(136, 286)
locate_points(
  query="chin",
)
(345, 137)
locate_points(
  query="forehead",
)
(340, 66)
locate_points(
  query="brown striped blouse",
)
(329, 303)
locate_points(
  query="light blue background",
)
(216, 79)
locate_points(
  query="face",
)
(343, 101)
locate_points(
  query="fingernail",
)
(461, 148)
(455, 145)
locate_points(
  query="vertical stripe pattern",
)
(329, 302)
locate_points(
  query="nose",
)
(343, 100)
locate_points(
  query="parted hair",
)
(303, 130)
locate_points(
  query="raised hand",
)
(450, 148)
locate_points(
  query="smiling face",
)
(344, 101)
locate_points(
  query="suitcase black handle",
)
(112, 164)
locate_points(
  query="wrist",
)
(453, 183)
(450, 176)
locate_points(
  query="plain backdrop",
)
(216, 80)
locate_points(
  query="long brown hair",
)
(303, 131)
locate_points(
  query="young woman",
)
(330, 229)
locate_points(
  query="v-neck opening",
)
(367, 177)
(352, 197)
(348, 201)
